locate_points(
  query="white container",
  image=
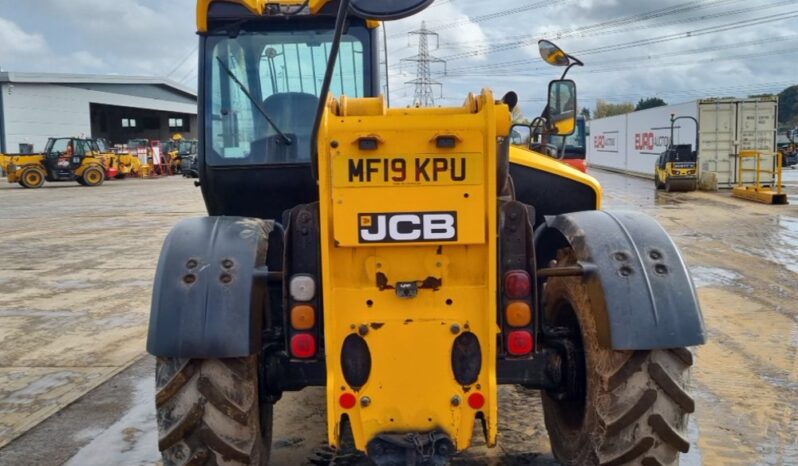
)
(606, 143)
(729, 126)
(632, 142)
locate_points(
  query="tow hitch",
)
(411, 449)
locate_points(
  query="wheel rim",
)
(33, 178)
(93, 177)
(573, 411)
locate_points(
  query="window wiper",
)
(257, 104)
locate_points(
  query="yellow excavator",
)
(409, 260)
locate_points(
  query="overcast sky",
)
(689, 49)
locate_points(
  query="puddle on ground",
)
(788, 236)
(131, 441)
(72, 285)
(714, 276)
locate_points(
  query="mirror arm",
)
(574, 62)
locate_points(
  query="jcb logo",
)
(407, 227)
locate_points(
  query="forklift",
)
(676, 169)
(408, 260)
(63, 159)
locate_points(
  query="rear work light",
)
(519, 314)
(517, 284)
(303, 317)
(303, 346)
(519, 342)
(302, 288)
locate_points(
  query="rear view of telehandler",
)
(408, 260)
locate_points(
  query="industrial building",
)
(36, 106)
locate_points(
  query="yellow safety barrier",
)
(759, 192)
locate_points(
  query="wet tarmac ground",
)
(743, 257)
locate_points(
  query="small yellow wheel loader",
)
(63, 159)
(409, 260)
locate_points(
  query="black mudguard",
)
(210, 296)
(638, 283)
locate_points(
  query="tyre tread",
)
(668, 433)
(183, 428)
(632, 453)
(671, 388)
(627, 370)
(217, 399)
(175, 384)
(208, 413)
(634, 413)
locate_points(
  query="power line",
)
(604, 26)
(183, 61)
(191, 73)
(690, 34)
(500, 69)
(701, 18)
(490, 16)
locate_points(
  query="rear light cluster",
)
(517, 313)
(302, 292)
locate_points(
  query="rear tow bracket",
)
(412, 449)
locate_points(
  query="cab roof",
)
(261, 8)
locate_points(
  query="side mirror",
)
(520, 135)
(552, 54)
(562, 107)
(387, 10)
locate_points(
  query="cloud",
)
(156, 37)
(16, 41)
(136, 37)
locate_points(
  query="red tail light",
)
(347, 400)
(476, 400)
(517, 284)
(519, 342)
(303, 346)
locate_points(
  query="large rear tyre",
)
(635, 404)
(209, 412)
(32, 178)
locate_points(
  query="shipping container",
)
(632, 142)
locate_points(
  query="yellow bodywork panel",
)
(14, 164)
(537, 161)
(426, 212)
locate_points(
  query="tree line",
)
(788, 107)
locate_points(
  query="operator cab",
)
(573, 149)
(682, 155)
(260, 82)
(62, 156)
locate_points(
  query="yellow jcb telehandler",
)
(409, 260)
(63, 159)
